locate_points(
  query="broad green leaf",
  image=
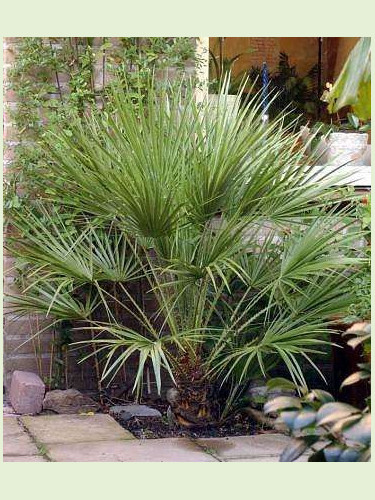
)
(355, 377)
(353, 85)
(280, 383)
(332, 453)
(360, 432)
(323, 396)
(288, 417)
(293, 451)
(282, 403)
(349, 455)
(331, 412)
(304, 419)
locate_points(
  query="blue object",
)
(265, 81)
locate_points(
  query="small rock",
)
(26, 392)
(126, 412)
(258, 393)
(69, 401)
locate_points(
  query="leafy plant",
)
(54, 80)
(299, 93)
(205, 204)
(360, 310)
(353, 86)
(354, 123)
(332, 431)
(57, 80)
(360, 335)
(221, 69)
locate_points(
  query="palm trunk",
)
(192, 401)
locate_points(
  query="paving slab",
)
(16, 442)
(31, 458)
(11, 427)
(147, 450)
(265, 459)
(19, 444)
(238, 447)
(63, 429)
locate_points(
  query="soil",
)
(239, 424)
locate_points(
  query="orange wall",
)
(254, 51)
(302, 51)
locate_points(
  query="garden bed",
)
(240, 424)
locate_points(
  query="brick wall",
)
(254, 50)
(302, 51)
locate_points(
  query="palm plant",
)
(240, 244)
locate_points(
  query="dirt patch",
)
(239, 424)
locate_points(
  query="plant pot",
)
(346, 148)
(228, 102)
(319, 149)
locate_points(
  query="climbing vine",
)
(59, 79)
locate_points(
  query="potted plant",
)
(340, 143)
(222, 80)
(352, 88)
(348, 144)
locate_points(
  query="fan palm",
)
(242, 246)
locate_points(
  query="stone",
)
(26, 392)
(126, 412)
(74, 428)
(11, 426)
(238, 447)
(19, 444)
(258, 393)
(69, 401)
(145, 450)
(8, 411)
(30, 458)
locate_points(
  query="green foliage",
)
(354, 123)
(360, 336)
(188, 191)
(136, 60)
(53, 81)
(353, 86)
(330, 430)
(361, 281)
(221, 70)
(290, 90)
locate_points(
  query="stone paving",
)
(17, 444)
(99, 438)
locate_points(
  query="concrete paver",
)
(19, 444)
(237, 447)
(265, 459)
(30, 458)
(11, 427)
(99, 438)
(63, 429)
(148, 450)
(15, 440)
